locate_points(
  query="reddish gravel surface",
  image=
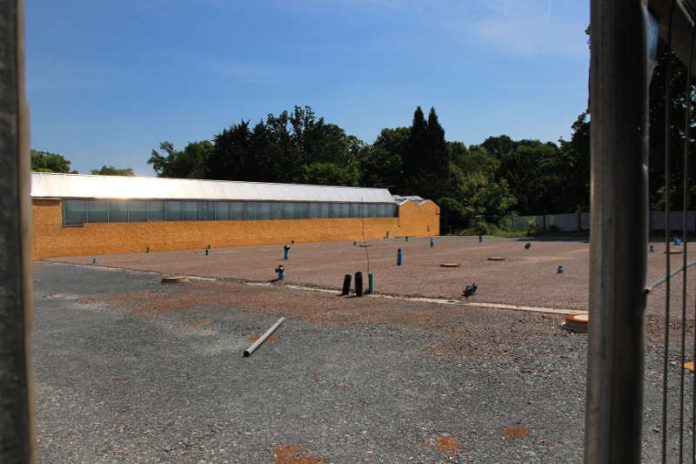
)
(524, 277)
(460, 328)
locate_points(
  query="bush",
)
(505, 223)
(483, 228)
(452, 213)
(532, 228)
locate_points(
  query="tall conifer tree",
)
(438, 156)
(416, 147)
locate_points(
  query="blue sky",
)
(108, 80)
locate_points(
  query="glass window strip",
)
(77, 212)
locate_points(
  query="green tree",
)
(499, 146)
(189, 163)
(477, 197)
(44, 161)
(162, 159)
(381, 163)
(330, 144)
(303, 124)
(414, 151)
(492, 200)
(231, 158)
(193, 160)
(331, 174)
(656, 166)
(438, 157)
(452, 214)
(480, 160)
(294, 146)
(113, 171)
(573, 167)
(532, 178)
(262, 149)
(283, 155)
(426, 157)
(458, 152)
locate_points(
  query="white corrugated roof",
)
(51, 185)
(404, 198)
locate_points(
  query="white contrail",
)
(546, 26)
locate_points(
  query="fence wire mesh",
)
(674, 428)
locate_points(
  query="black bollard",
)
(358, 284)
(346, 285)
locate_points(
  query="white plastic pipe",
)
(263, 337)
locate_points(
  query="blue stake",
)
(286, 251)
(399, 257)
(432, 243)
(480, 238)
(94, 260)
(560, 269)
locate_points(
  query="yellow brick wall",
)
(52, 239)
(419, 220)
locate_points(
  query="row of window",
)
(76, 212)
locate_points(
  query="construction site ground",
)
(127, 369)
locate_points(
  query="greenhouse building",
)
(75, 214)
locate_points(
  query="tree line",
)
(45, 161)
(472, 184)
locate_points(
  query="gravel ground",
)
(130, 370)
(525, 277)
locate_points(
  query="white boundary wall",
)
(575, 222)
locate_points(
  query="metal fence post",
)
(619, 224)
(16, 410)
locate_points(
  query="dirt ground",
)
(131, 370)
(526, 277)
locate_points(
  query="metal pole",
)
(685, 237)
(16, 398)
(619, 222)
